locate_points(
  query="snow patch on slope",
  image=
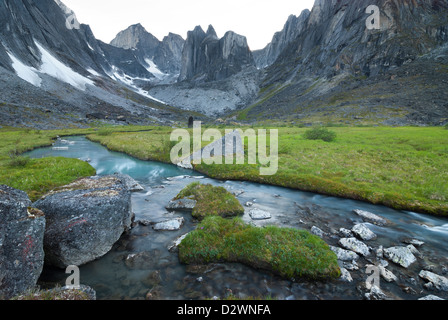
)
(53, 67)
(25, 72)
(152, 68)
(130, 82)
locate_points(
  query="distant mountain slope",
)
(53, 72)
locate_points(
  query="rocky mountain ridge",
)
(324, 66)
(54, 73)
(338, 70)
(206, 58)
(165, 54)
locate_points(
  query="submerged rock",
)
(400, 255)
(21, 242)
(169, 225)
(258, 214)
(85, 219)
(370, 217)
(182, 204)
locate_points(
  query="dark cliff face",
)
(207, 58)
(24, 22)
(293, 27)
(335, 38)
(336, 67)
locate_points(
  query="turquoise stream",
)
(163, 277)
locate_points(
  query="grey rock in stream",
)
(355, 245)
(85, 219)
(363, 232)
(21, 243)
(439, 282)
(400, 255)
(169, 225)
(258, 214)
(182, 204)
(344, 255)
(371, 217)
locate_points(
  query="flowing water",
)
(159, 275)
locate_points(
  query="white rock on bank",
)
(174, 246)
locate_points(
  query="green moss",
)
(211, 201)
(289, 253)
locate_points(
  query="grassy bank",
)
(211, 201)
(36, 176)
(404, 168)
(290, 253)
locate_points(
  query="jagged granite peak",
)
(207, 58)
(136, 37)
(165, 54)
(211, 32)
(292, 28)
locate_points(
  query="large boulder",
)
(21, 242)
(85, 219)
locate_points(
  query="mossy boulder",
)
(211, 201)
(287, 252)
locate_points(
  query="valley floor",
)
(404, 168)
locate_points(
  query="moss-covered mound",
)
(211, 201)
(290, 253)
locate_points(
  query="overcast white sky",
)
(258, 20)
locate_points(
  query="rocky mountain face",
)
(53, 72)
(338, 70)
(293, 27)
(206, 58)
(165, 54)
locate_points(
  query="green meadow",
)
(404, 168)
